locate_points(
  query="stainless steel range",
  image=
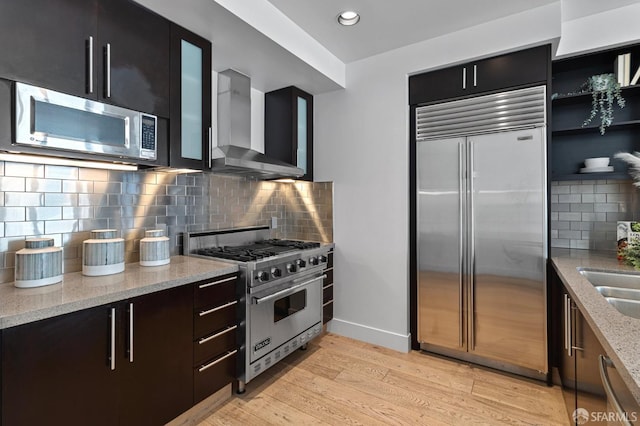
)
(283, 281)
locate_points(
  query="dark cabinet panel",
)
(522, 68)
(327, 291)
(158, 378)
(71, 371)
(190, 100)
(67, 45)
(46, 43)
(57, 371)
(137, 75)
(288, 128)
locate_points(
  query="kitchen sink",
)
(621, 290)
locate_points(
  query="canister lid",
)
(154, 233)
(104, 234)
(35, 243)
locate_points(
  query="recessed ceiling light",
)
(348, 17)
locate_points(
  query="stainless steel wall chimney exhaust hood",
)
(234, 155)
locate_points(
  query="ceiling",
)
(385, 26)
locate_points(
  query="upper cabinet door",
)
(522, 68)
(133, 56)
(48, 43)
(190, 100)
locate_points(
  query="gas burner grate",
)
(296, 244)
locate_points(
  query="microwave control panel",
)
(148, 136)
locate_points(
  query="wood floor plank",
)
(340, 381)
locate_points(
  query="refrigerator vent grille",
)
(497, 112)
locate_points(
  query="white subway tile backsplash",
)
(582, 189)
(43, 185)
(24, 170)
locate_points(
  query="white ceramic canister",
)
(103, 253)
(38, 264)
(154, 248)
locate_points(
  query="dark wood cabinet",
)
(115, 51)
(190, 100)
(46, 43)
(74, 373)
(133, 57)
(571, 106)
(57, 371)
(523, 68)
(288, 128)
(217, 334)
(579, 371)
(327, 291)
(157, 382)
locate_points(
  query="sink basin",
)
(612, 279)
(621, 290)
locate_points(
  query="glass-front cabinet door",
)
(190, 145)
(288, 128)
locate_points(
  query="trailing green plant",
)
(631, 254)
(605, 91)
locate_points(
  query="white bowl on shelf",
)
(596, 163)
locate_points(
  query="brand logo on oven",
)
(260, 345)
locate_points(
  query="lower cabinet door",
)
(212, 376)
(57, 371)
(157, 383)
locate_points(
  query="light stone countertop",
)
(618, 334)
(77, 292)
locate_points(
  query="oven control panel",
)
(288, 268)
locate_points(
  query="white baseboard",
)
(375, 336)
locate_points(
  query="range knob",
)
(291, 268)
(276, 272)
(301, 263)
(313, 260)
(263, 276)
(322, 258)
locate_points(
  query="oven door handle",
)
(286, 291)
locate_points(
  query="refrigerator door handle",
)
(472, 248)
(462, 258)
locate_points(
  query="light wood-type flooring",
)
(340, 381)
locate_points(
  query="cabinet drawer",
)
(215, 292)
(327, 293)
(329, 279)
(206, 321)
(215, 344)
(327, 311)
(212, 376)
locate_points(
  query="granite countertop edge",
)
(618, 334)
(77, 292)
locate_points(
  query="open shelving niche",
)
(571, 143)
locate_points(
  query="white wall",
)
(361, 144)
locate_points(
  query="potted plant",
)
(605, 91)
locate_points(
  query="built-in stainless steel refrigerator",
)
(482, 230)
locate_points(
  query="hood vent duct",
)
(234, 155)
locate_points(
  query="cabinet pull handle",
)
(107, 66)
(327, 286)
(206, 339)
(464, 78)
(566, 322)
(130, 332)
(210, 311)
(525, 138)
(90, 65)
(112, 354)
(210, 147)
(325, 304)
(475, 75)
(219, 360)
(216, 282)
(461, 252)
(603, 363)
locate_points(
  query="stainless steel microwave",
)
(49, 119)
